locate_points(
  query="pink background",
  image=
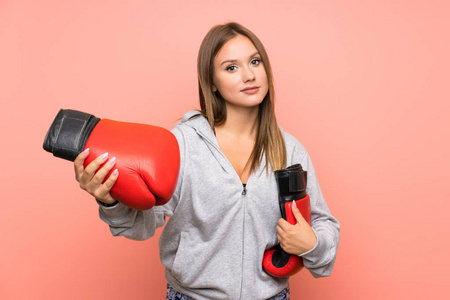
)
(364, 85)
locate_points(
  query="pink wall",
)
(363, 84)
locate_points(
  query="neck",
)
(241, 122)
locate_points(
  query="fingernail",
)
(294, 204)
(112, 160)
(115, 172)
(104, 156)
(86, 151)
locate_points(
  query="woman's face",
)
(239, 74)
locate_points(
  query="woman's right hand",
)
(91, 180)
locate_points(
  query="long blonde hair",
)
(269, 140)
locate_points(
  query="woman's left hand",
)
(296, 239)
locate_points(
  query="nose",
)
(247, 74)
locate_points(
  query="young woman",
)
(224, 213)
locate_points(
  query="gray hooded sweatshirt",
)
(217, 232)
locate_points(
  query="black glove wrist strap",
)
(69, 133)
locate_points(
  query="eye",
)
(231, 68)
(256, 61)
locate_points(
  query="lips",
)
(250, 90)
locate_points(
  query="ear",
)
(214, 88)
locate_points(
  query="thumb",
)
(297, 214)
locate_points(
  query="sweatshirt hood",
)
(197, 121)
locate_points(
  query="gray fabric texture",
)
(213, 242)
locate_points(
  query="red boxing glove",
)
(292, 187)
(148, 157)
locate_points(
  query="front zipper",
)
(244, 192)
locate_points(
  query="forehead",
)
(238, 47)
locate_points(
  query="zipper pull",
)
(244, 191)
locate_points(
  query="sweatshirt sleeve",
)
(142, 224)
(319, 260)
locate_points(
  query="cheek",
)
(264, 80)
(263, 75)
(225, 85)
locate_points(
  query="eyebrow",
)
(235, 60)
